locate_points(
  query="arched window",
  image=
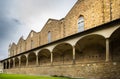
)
(81, 24)
(49, 36)
(32, 43)
(20, 48)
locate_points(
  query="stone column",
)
(5, 64)
(51, 58)
(9, 64)
(37, 60)
(107, 50)
(13, 62)
(73, 54)
(19, 62)
(26, 60)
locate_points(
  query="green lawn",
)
(13, 76)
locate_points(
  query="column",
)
(5, 64)
(26, 60)
(9, 64)
(37, 60)
(51, 58)
(14, 63)
(73, 54)
(107, 50)
(19, 62)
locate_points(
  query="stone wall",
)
(1, 67)
(95, 12)
(102, 70)
(32, 40)
(53, 26)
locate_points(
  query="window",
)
(20, 48)
(49, 36)
(81, 24)
(32, 43)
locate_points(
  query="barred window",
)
(49, 36)
(81, 24)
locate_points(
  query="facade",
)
(85, 42)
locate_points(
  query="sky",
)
(19, 17)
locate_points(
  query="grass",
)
(13, 76)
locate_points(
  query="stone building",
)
(85, 43)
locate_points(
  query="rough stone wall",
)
(20, 46)
(102, 70)
(115, 9)
(95, 12)
(52, 26)
(1, 67)
(32, 38)
(13, 50)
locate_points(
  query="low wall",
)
(103, 70)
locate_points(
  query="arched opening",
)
(62, 54)
(7, 64)
(32, 59)
(23, 60)
(44, 57)
(90, 48)
(11, 63)
(4, 65)
(81, 24)
(115, 45)
(16, 62)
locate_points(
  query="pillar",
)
(5, 64)
(14, 63)
(73, 54)
(19, 62)
(51, 58)
(107, 50)
(37, 60)
(9, 65)
(26, 60)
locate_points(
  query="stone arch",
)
(7, 62)
(23, 60)
(17, 62)
(4, 65)
(62, 54)
(32, 58)
(11, 63)
(90, 48)
(115, 45)
(44, 57)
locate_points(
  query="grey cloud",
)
(18, 17)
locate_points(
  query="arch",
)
(115, 45)
(32, 58)
(62, 54)
(23, 60)
(4, 65)
(81, 23)
(11, 63)
(44, 57)
(17, 62)
(8, 65)
(90, 48)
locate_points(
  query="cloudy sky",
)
(19, 17)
